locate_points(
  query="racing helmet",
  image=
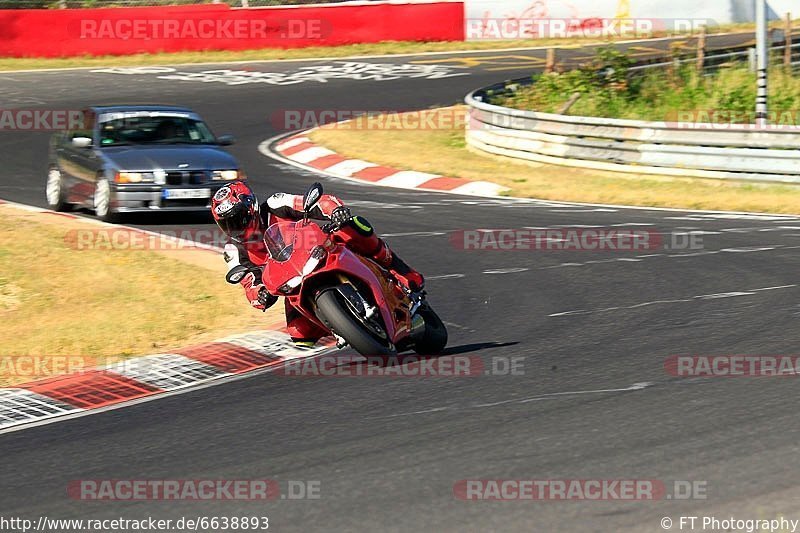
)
(236, 211)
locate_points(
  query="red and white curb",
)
(300, 150)
(136, 379)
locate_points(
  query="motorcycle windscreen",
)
(279, 239)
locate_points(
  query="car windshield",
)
(279, 239)
(154, 130)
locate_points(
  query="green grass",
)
(657, 95)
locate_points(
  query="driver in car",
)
(237, 212)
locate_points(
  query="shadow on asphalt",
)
(467, 348)
(412, 358)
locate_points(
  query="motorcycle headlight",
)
(134, 177)
(317, 255)
(290, 285)
(228, 175)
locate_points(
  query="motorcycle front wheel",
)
(336, 314)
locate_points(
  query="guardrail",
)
(664, 148)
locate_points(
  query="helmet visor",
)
(235, 222)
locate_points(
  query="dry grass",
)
(443, 151)
(96, 305)
(265, 54)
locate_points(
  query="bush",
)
(608, 90)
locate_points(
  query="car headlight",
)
(134, 177)
(228, 175)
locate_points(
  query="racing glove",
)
(339, 217)
(248, 276)
(257, 294)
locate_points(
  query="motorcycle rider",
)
(236, 210)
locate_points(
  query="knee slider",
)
(362, 226)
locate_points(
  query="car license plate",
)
(182, 194)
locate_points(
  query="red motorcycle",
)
(349, 295)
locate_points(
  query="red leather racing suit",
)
(358, 235)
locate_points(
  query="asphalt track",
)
(594, 400)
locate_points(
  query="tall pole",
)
(787, 51)
(762, 63)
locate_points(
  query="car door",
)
(80, 164)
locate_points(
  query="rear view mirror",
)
(237, 274)
(81, 142)
(226, 140)
(312, 196)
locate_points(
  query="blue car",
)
(124, 159)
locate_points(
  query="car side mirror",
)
(81, 142)
(226, 140)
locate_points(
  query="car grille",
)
(193, 177)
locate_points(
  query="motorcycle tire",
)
(337, 315)
(434, 339)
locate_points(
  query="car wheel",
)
(54, 190)
(102, 201)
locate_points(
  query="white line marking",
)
(414, 234)
(723, 295)
(563, 265)
(695, 254)
(577, 209)
(506, 270)
(445, 276)
(773, 288)
(752, 249)
(543, 397)
(733, 294)
(631, 224)
(634, 387)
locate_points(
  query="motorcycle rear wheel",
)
(336, 314)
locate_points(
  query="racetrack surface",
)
(594, 400)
